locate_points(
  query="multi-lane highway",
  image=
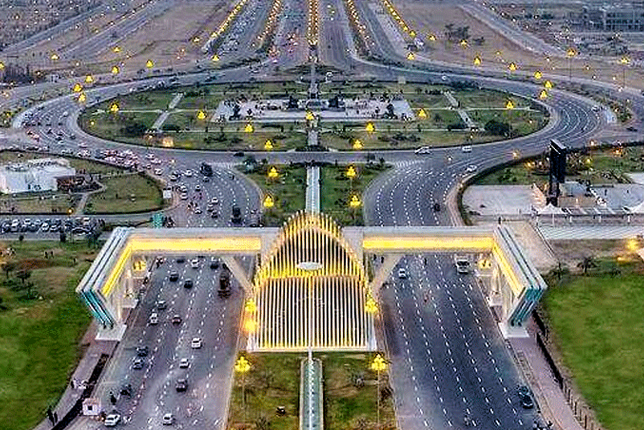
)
(193, 325)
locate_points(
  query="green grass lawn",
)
(39, 337)
(124, 194)
(599, 330)
(274, 380)
(287, 191)
(598, 166)
(336, 190)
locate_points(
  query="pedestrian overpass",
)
(309, 287)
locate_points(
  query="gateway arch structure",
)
(310, 286)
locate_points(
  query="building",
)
(37, 175)
(625, 17)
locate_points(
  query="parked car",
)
(182, 385)
(112, 420)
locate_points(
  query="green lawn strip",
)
(487, 99)
(273, 380)
(123, 194)
(145, 100)
(39, 337)
(336, 190)
(287, 191)
(600, 334)
(350, 393)
(599, 167)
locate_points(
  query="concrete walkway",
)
(312, 190)
(577, 232)
(549, 396)
(158, 123)
(461, 112)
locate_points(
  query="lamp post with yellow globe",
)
(242, 366)
(351, 173)
(570, 53)
(624, 61)
(378, 365)
(357, 145)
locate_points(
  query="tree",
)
(497, 128)
(587, 263)
(23, 275)
(8, 267)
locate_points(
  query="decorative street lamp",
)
(242, 366)
(357, 145)
(378, 365)
(273, 173)
(269, 202)
(268, 145)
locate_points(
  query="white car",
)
(467, 148)
(196, 343)
(194, 263)
(168, 419)
(188, 173)
(154, 319)
(184, 363)
(402, 273)
(423, 150)
(184, 196)
(112, 420)
(471, 168)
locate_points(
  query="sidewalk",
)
(549, 396)
(81, 373)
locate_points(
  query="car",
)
(181, 260)
(112, 420)
(174, 276)
(214, 264)
(194, 263)
(142, 351)
(197, 187)
(526, 401)
(184, 363)
(188, 173)
(214, 201)
(206, 179)
(182, 385)
(154, 319)
(423, 150)
(471, 168)
(184, 196)
(402, 273)
(126, 390)
(137, 363)
(176, 319)
(467, 148)
(197, 210)
(188, 283)
(168, 419)
(214, 214)
(631, 128)
(196, 343)
(161, 305)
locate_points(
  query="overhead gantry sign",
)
(310, 250)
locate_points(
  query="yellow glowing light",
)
(543, 94)
(89, 79)
(509, 104)
(215, 58)
(463, 43)
(268, 145)
(149, 64)
(624, 60)
(515, 154)
(251, 306)
(371, 306)
(309, 116)
(370, 127)
(1, 65)
(538, 75)
(249, 128)
(357, 145)
(77, 88)
(82, 98)
(512, 67)
(167, 142)
(432, 38)
(269, 202)
(242, 365)
(116, 49)
(273, 173)
(547, 85)
(354, 202)
(54, 57)
(412, 33)
(115, 70)
(201, 115)
(571, 52)
(351, 172)
(477, 61)
(114, 107)
(92, 123)
(378, 364)
(422, 114)
(411, 56)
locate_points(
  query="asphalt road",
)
(204, 315)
